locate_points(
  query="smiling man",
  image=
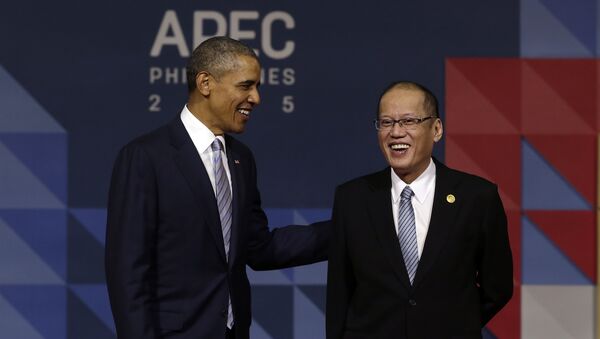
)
(419, 251)
(185, 217)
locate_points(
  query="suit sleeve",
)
(495, 268)
(340, 277)
(285, 246)
(130, 238)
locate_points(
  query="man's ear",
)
(438, 130)
(203, 83)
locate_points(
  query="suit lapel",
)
(191, 166)
(238, 192)
(443, 216)
(380, 211)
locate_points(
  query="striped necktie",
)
(223, 195)
(407, 233)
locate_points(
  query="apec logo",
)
(235, 24)
(171, 34)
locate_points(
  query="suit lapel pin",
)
(450, 198)
(237, 162)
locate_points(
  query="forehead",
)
(245, 67)
(402, 100)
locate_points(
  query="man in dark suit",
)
(185, 217)
(419, 251)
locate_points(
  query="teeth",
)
(400, 146)
(245, 112)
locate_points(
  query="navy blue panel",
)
(88, 65)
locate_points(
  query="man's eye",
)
(386, 123)
(409, 121)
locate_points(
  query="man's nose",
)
(254, 97)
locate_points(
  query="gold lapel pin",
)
(450, 198)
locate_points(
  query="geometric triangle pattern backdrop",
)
(531, 126)
(52, 283)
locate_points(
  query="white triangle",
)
(20, 187)
(13, 325)
(20, 264)
(20, 111)
(557, 311)
(543, 35)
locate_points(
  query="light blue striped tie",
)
(408, 233)
(223, 195)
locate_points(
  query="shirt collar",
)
(422, 186)
(201, 136)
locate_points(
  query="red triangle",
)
(574, 157)
(546, 111)
(574, 80)
(507, 323)
(498, 80)
(468, 109)
(497, 158)
(574, 232)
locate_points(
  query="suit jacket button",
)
(412, 302)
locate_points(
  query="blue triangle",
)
(95, 297)
(93, 220)
(289, 273)
(543, 263)
(544, 188)
(487, 334)
(45, 231)
(13, 324)
(578, 17)
(542, 34)
(20, 111)
(311, 215)
(43, 306)
(272, 308)
(19, 264)
(86, 255)
(279, 217)
(45, 155)
(20, 187)
(309, 320)
(83, 323)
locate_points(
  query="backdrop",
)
(517, 82)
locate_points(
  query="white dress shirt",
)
(202, 138)
(422, 201)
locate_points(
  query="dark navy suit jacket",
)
(166, 269)
(464, 275)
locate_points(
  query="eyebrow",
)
(249, 82)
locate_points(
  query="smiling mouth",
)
(399, 148)
(244, 111)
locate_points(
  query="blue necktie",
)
(408, 233)
(223, 195)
